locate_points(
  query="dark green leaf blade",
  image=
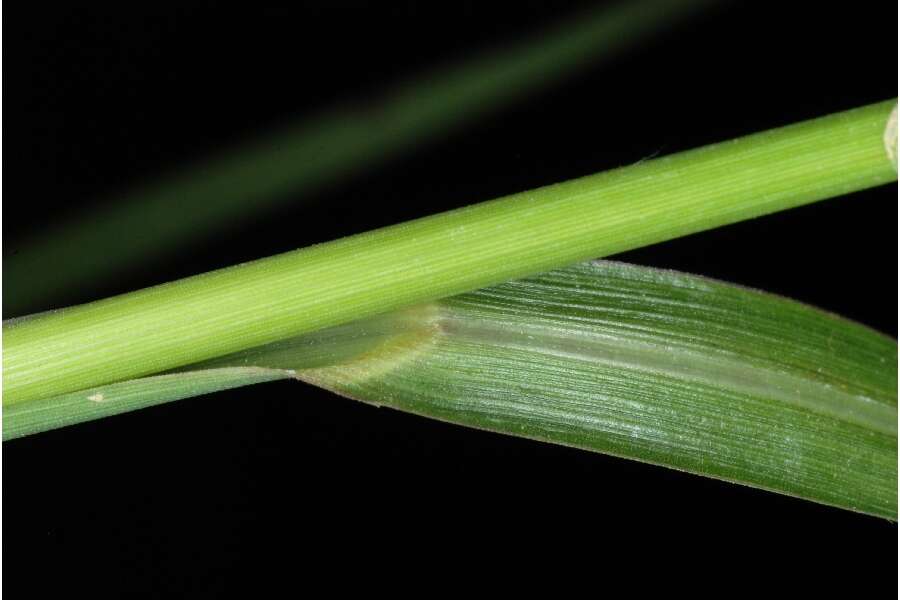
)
(657, 366)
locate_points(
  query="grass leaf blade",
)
(661, 367)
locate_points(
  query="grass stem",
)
(255, 303)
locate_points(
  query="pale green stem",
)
(247, 305)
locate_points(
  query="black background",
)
(279, 481)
